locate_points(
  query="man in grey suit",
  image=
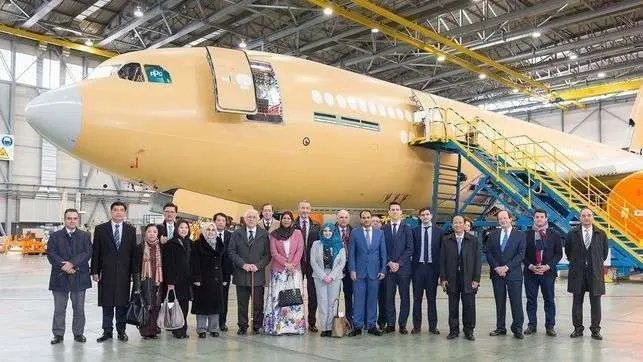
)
(69, 251)
(249, 250)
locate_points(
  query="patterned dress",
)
(283, 320)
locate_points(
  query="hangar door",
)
(233, 83)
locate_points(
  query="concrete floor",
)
(27, 307)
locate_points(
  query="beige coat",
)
(274, 225)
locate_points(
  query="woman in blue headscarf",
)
(327, 258)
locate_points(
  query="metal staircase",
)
(534, 175)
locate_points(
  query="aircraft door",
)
(233, 82)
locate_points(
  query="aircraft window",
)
(346, 121)
(268, 93)
(103, 71)
(131, 71)
(156, 74)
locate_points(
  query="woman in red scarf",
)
(151, 279)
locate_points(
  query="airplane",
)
(250, 127)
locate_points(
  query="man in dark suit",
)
(344, 230)
(249, 250)
(586, 249)
(114, 264)
(69, 251)
(427, 243)
(227, 267)
(367, 264)
(505, 253)
(399, 248)
(542, 253)
(167, 230)
(310, 231)
(460, 269)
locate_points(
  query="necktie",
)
(267, 224)
(170, 230)
(394, 229)
(304, 230)
(368, 237)
(251, 238)
(117, 236)
(425, 257)
(459, 245)
(587, 239)
(503, 243)
(220, 235)
(345, 238)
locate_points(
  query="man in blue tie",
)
(505, 254)
(367, 265)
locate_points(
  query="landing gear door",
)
(234, 87)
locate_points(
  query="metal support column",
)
(11, 122)
(600, 121)
(458, 181)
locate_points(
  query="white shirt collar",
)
(461, 236)
(116, 223)
(427, 226)
(368, 229)
(70, 231)
(508, 231)
(254, 230)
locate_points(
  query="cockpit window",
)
(104, 71)
(131, 71)
(268, 93)
(156, 74)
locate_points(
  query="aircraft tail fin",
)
(636, 123)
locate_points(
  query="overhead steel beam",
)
(288, 31)
(135, 22)
(179, 34)
(42, 11)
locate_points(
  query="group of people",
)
(271, 262)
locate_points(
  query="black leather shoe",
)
(181, 336)
(577, 333)
(123, 337)
(242, 332)
(389, 329)
(57, 339)
(202, 335)
(469, 336)
(403, 330)
(258, 330)
(214, 334)
(313, 329)
(452, 335)
(80, 338)
(551, 332)
(326, 334)
(355, 332)
(498, 332)
(519, 335)
(530, 330)
(104, 337)
(375, 331)
(434, 331)
(381, 325)
(224, 328)
(415, 331)
(597, 336)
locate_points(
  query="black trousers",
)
(425, 281)
(223, 316)
(243, 299)
(312, 300)
(468, 308)
(381, 303)
(348, 296)
(594, 302)
(185, 304)
(502, 287)
(108, 317)
(402, 283)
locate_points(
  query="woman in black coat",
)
(176, 270)
(207, 277)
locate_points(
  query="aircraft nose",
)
(56, 115)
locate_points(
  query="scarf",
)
(542, 231)
(334, 243)
(152, 260)
(284, 233)
(212, 241)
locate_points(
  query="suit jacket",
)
(437, 234)
(76, 249)
(274, 225)
(338, 230)
(471, 263)
(512, 257)
(574, 249)
(278, 252)
(227, 266)
(115, 267)
(313, 235)
(367, 261)
(552, 253)
(163, 230)
(399, 248)
(241, 252)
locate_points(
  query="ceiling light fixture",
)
(573, 56)
(536, 34)
(243, 44)
(441, 58)
(601, 74)
(328, 11)
(138, 12)
(375, 30)
(482, 76)
(89, 43)
(515, 90)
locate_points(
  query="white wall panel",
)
(68, 170)
(41, 210)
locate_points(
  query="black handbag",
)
(137, 312)
(288, 297)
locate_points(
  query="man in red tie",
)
(344, 229)
(543, 251)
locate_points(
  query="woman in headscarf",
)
(286, 248)
(176, 270)
(151, 279)
(327, 258)
(207, 277)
